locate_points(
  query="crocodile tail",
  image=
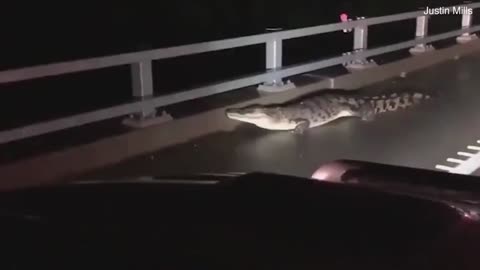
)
(394, 102)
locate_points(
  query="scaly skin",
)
(322, 108)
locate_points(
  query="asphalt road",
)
(419, 137)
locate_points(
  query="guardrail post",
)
(142, 86)
(466, 23)
(274, 55)
(360, 43)
(360, 37)
(420, 33)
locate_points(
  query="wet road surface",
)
(418, 137)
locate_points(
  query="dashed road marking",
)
(463, 166)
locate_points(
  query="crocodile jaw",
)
(261, 120)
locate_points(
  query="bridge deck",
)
(420, 137)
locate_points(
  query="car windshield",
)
(313, 104)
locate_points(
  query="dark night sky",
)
(96, 25)
(46, 31)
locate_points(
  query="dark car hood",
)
(254, 221)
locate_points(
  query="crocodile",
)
(323, 107)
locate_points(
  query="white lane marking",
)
(465, 154)
(472, 147)
(443, 167)
(464, 166)
(454, 160)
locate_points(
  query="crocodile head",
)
(271, 118)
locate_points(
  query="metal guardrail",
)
(141, 67)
